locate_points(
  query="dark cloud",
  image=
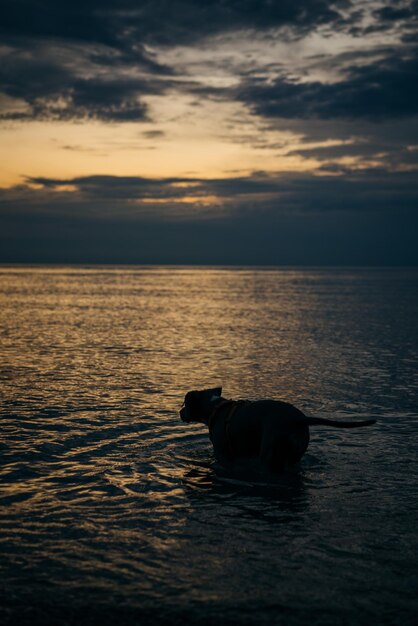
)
(368, 217)
(394, 149)
(88, 59)
(121, 22)
(92, 59)
(87, 21)
(373, 189)
(135, 187)
(153, 134)
(109, 188)
(378, 91)
(68, 83)
(396, 13)
(395, 16)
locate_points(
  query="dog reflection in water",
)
(275, 432)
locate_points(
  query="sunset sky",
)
(210, 131)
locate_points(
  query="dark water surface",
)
(113, 511)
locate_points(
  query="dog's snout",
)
(184, 414)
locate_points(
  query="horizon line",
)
(80, 264)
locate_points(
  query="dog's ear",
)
(189, 410)
(191, 397)
(191, 400)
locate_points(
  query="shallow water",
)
(114, 511)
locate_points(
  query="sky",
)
(266, 132)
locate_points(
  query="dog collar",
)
(234, 404)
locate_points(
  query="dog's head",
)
(198, 405)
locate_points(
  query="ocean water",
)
(115, 512)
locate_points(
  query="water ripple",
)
(113, 507)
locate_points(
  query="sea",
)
(114, 511)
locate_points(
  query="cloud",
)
(373, 189)
(93, 59)
(367, 217)
(98, 59)
(395, 13)
(119, 23)
(378, 91)
(64, 83)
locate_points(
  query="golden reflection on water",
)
(164, 330)
(96, 359)
(117, 336)
(93, 359)
(105, 485)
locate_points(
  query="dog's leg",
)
(274, 452)
(284, 448)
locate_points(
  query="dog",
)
(275, 432)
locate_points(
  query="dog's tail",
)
(321, 421)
